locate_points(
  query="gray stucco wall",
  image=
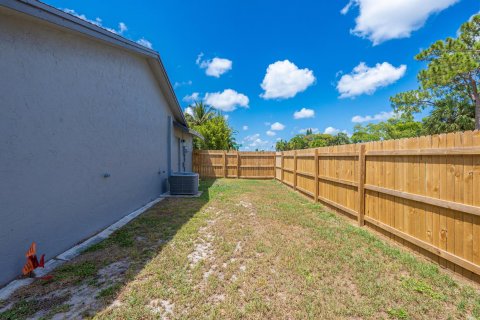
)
(72, 110)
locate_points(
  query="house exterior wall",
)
(73, 110)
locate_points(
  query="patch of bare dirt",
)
(83, 298)
(163, 308)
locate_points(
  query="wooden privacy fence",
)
(422, 192)
(246, 165)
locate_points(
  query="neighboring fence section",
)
(223, 164)
(422, 192)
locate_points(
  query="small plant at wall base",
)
(32, 261)
(212, 126)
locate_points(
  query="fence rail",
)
(421, 192)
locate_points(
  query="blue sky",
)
(262, 61)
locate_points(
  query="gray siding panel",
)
(72, 110)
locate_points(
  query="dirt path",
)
(246, 249)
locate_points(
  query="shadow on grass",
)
(91, 281)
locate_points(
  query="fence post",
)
(194, 161)
(238, 164)
(281, 168)
(295, 170)
(361, 185)
(224, 164)
(316, 176)
(274, 165)
(196, 167)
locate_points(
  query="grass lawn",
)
(245, 249)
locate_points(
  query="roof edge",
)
(188, 130)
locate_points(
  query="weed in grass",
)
(56, 310)
(262, 248)
(77, 271)
(109, 292)
(93, 282)
(21, 310)
(97, 246)
(123, 238)
(462, 305)
(398, 313)
(422, 287)
(257, 305)
(476, 309)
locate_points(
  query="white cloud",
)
(214, 67)
(334, 131)
(284, 80)
(228, 100)
(258, 143)
(252, 137)
(366, 80)
(122, 27)
(199, 58)
(304, 113)
(271, 133)
(380, 21)
(245, 128)
(191, 98)
(277, 126)
(183, 83)
(331, 130)
(188, 110)
(255, 141)
(347, 7)
(382, 116)
(145, 43)
(314, 130)
(226, 116)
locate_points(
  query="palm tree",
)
(200, 114)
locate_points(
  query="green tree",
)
(370, 132)
(450, 117)
(298, 142)
(200, 114)
(281, 145)
(212, 126)
(449, 84)
(217, 133)
(319, 140)
(340, 138)
(397, 127)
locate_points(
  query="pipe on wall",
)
(169, 145)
